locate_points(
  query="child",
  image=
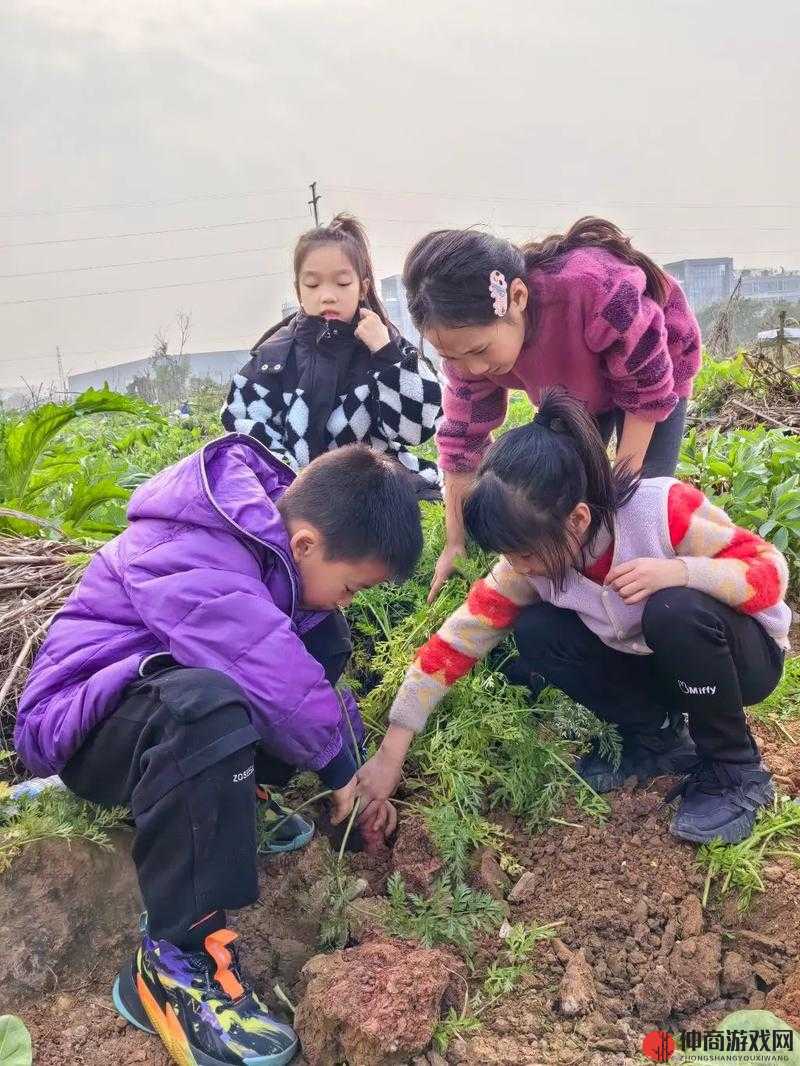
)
(585, 311)
(199, 651)
(639, 599)
(337, 372)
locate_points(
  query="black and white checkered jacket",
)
(311, 386)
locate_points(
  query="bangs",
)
(502, 520)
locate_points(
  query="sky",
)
(188, 131)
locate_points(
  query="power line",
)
(565, 203)
(155, 232)
(146, 288)
(81, 208)
(145, 262)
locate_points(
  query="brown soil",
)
(635, 949)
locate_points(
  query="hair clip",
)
(498, 290)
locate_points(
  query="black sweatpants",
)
(708, 662)
(180, 751)
(661, 456)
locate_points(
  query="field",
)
(569, 924)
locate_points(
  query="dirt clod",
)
(374, 1005)
(577, 993)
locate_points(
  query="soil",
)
(635, 948)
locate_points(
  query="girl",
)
(337, 372)
(584, 310)
(639, 599)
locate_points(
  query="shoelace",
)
(204, 965)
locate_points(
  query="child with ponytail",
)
(584, 310)
(337, 372)
(637, 598)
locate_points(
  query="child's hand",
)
(379, 777)
(342, 800)
(639, 578)
(371, 331)
(379, 817)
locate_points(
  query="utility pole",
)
(312, 203)
(780, 336)
(62, 381)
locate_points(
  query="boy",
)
(196, 657)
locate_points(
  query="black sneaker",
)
(200, 1005)
(669, 750)
(721, 800)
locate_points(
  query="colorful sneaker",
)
(669, 750)
(200, 1005)
(721, 800)
(280, 830)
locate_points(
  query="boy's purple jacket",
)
(204, 572)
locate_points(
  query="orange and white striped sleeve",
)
(469, 634)
(731, 564)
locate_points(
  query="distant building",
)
(705, 281)
(393, 294)
(218, 366)
(771, 285)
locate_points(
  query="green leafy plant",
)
(783, 704)
(452, 914)
(53, 814)
(739, 866)
(15, 1042)
(754, 475)
(454, 1026)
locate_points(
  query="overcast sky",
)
(677, 118)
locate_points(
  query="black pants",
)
(661, 456)
(181, 752)
(708, 662)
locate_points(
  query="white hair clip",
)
(498, 290)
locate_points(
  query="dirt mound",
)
(65, 912)
(374, 1005)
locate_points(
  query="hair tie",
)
(498, 290)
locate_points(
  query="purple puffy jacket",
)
(203, 572)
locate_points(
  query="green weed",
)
(452, 914)
(53, 814)
(739, 866)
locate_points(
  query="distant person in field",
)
(584, 310)
(337, 372)
(637, 598)
(193, 667)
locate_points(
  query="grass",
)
(54, 814)
(782, 705)
(740, 866)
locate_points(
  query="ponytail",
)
(346, 231)
(446, 273)
(533, 477)
(589, 232)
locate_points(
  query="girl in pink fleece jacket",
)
(585, 311)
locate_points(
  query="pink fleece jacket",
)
(596, 333)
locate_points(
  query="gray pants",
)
(661, 456)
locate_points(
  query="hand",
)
(640, 578)
(379, 816)
(342, 800)
(371, 331)
(379, 777)
(445, 567)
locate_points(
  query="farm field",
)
(517, 918)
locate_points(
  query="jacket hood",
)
(231, 482)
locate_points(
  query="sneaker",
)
(669, 750)
(279, 829)
(721, 801)
(201, 1006)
